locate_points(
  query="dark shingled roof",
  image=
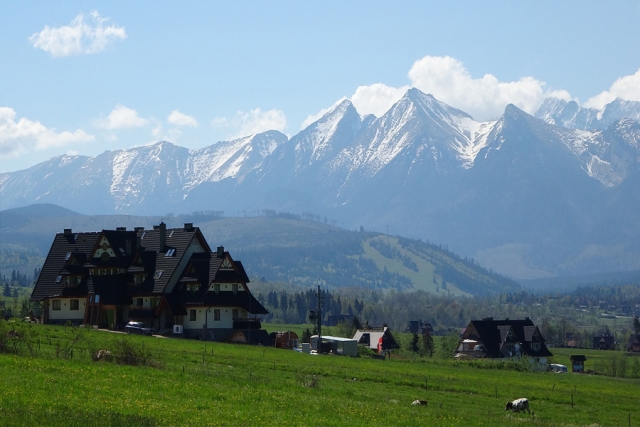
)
(204, 268)
(169, 256)
(78, 244)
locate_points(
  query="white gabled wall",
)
(202, 316)
(65, 312)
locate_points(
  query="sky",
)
(84, 77)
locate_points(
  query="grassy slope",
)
(217, 384)
(423, 279)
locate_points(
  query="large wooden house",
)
(489, 338)
(169, 279)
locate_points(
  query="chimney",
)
(220, 251)
(163, 236)
(138, 230)
(188, 226)
(121, 228)
(67, 232)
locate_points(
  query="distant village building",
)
(378, 339)
(634, 343)
(605, 341)
(169, 279)
(419, 327)
(489, 338)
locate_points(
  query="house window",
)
(193, 287)
(216, 314)
(192, 315)
(216, 288)
(74, 304)
(511, 348)
(56, 304)
(158, 274)
(234, 314)
(154, 303)
(139, 302)
(235, 288)
(535, 346)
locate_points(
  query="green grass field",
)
(54, 381)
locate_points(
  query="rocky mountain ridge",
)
(521, 194)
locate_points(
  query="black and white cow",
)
(518, 405)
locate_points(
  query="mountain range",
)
(529, 196)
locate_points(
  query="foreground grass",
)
(197, 383)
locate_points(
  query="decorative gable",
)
(226, 264)
(104, 251)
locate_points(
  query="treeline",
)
(556, 316)
(294, 307)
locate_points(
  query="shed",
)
(336, 345)
(577, 362)
(284, 339)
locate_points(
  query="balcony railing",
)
(248, 323)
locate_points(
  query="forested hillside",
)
(302, 250)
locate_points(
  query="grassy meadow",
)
(50, 379)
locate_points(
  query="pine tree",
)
(427, 343)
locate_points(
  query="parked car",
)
(137, 328)
(557, 368)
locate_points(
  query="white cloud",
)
(16, 136)
(119, 118)
(485, 98)
(79, 37)
(449, 81)
(159, 134)
(560, 94)
(377, 98)
(627, 87)
(314, 117)
(180, 119)
(252, 122)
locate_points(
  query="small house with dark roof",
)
(634, 343)
(489, 338)
(169, 279)
(605, 340)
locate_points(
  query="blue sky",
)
(82, 77)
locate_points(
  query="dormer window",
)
(59, 278)
(170, 252)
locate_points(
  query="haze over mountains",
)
(542, 196)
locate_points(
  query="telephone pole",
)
(316, 316)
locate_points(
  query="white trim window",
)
(56, 305)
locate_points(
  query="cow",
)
(419, 403)
(518, 405)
